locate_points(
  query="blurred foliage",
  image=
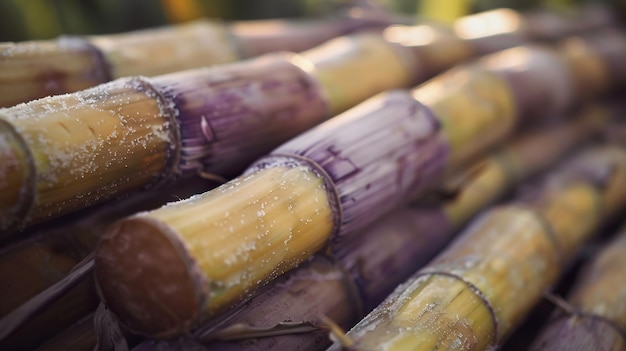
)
(42, 19)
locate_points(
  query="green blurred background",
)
(43, 19)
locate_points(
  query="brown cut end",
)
(16, 178)
(147, 278)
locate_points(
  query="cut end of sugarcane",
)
(16, 178)
(146, 277)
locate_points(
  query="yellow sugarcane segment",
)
(487, 181)
(158, 51)
(353, 68)
(572, 211)
(240, 232)
(475, 107)
(506, 252)
(85, 146)
(602, 291)
(435, 49)
(25, 76)
(432, 312)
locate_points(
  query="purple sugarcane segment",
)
(230, 115)
(541, 83)
(369, 182)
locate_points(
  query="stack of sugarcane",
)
(369, 265)
(188, 91)
(164, 271)
(595, 317)
(68, 152)
(182, 263)
(30, 70)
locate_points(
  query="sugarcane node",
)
(101, 70)
(145, 275)
(167, 108)
(531, 208)
(18, 178)
(476, 291)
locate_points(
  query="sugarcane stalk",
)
(372, 263)
(135, 133)
(330, 181)
(597, 314)
(474, 293)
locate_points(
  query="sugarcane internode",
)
(474, 293)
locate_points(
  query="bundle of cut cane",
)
(496, 173)
(474, 293)
(32, 70)
(596, 311)
(68, 152)
(371, 264)
(198, 257)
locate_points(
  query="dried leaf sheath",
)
(505, 259)
(599, 304)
